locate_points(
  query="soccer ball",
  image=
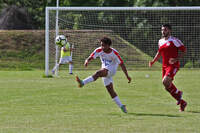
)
(61, 40)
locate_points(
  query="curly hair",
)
(106, 40)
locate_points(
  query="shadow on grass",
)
(195, 112)
(147, 114)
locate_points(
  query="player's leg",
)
(109, 86)
(100, 73)
(167, 81)
(108, 83)
(177, 94)
(69, 60)
(56, 67)
(171, 88)
(70, 67)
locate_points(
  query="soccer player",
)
(110, 60)
(65, 56)
(171, 49)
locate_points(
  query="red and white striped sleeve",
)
(119, 59)
(179, 44)
(95, 53)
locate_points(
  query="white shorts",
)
(65, 60)
(111, 72)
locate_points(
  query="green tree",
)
(80, 2)
(119, 3)
(36, 9)
(167, 3)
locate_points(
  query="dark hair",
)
(168, 26)
(106, 40)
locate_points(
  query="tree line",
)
(36, 8)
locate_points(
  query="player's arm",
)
(121, 63)
(92, 56)
(181, 53)
(123, 67)
(88, 60)
(157, 56)
(71, 47)
(64, 49)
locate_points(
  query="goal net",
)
(134, 31)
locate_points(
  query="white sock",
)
(55, 67)
(88, 80)
(70, 68)
(117, 101)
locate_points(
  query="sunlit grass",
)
(30, 103)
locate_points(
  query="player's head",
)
(105, 43)
(166, 30)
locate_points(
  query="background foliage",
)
(35, 13)
(36, 8)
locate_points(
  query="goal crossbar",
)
(122, 8)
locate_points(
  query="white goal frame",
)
(95, 9)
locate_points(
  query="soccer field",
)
(30, 103)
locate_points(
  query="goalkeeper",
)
(65, 54)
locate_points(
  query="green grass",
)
(30, 103)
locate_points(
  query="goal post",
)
(47, 42)
(134, 31)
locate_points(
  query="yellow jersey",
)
(65, 50)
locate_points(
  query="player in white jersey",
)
(110, 60)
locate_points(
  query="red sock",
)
(176, 94)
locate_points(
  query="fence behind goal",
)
(135, 32)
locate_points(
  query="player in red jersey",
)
(110, 60)
(171, 49)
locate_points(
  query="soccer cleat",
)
(123, 108)
(80, 82)
(183, 105)
(180, 93)
(71, 73)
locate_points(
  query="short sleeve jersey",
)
(65, 50)
(169, 49)
(111, 59)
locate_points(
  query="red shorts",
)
(169, 71)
